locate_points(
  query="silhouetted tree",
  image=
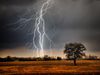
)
(74, 51)
(9, 58)
(59, 58)
(46, 57)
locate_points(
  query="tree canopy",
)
(74, 50)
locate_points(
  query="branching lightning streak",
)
(40, 29)
(23, 23)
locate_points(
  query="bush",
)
(59, 58)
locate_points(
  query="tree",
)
(9, 58)
(46, 57)
(59, 58)
(74, 51)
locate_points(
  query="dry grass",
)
(84, 67)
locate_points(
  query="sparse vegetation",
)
(45, 58)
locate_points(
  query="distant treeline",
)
(45, 58)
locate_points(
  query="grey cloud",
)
(67, 21)
(17, 2)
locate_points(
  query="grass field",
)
(63, 67)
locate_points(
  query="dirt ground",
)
(63, 67)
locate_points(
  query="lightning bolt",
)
(38, 32)
(40, 29)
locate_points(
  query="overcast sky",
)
(66, 21)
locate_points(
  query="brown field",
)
(63, 67)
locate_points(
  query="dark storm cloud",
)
(10, 12)
(76, 21)
(66, 21)
(16, 2)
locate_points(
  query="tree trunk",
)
(75, 62)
